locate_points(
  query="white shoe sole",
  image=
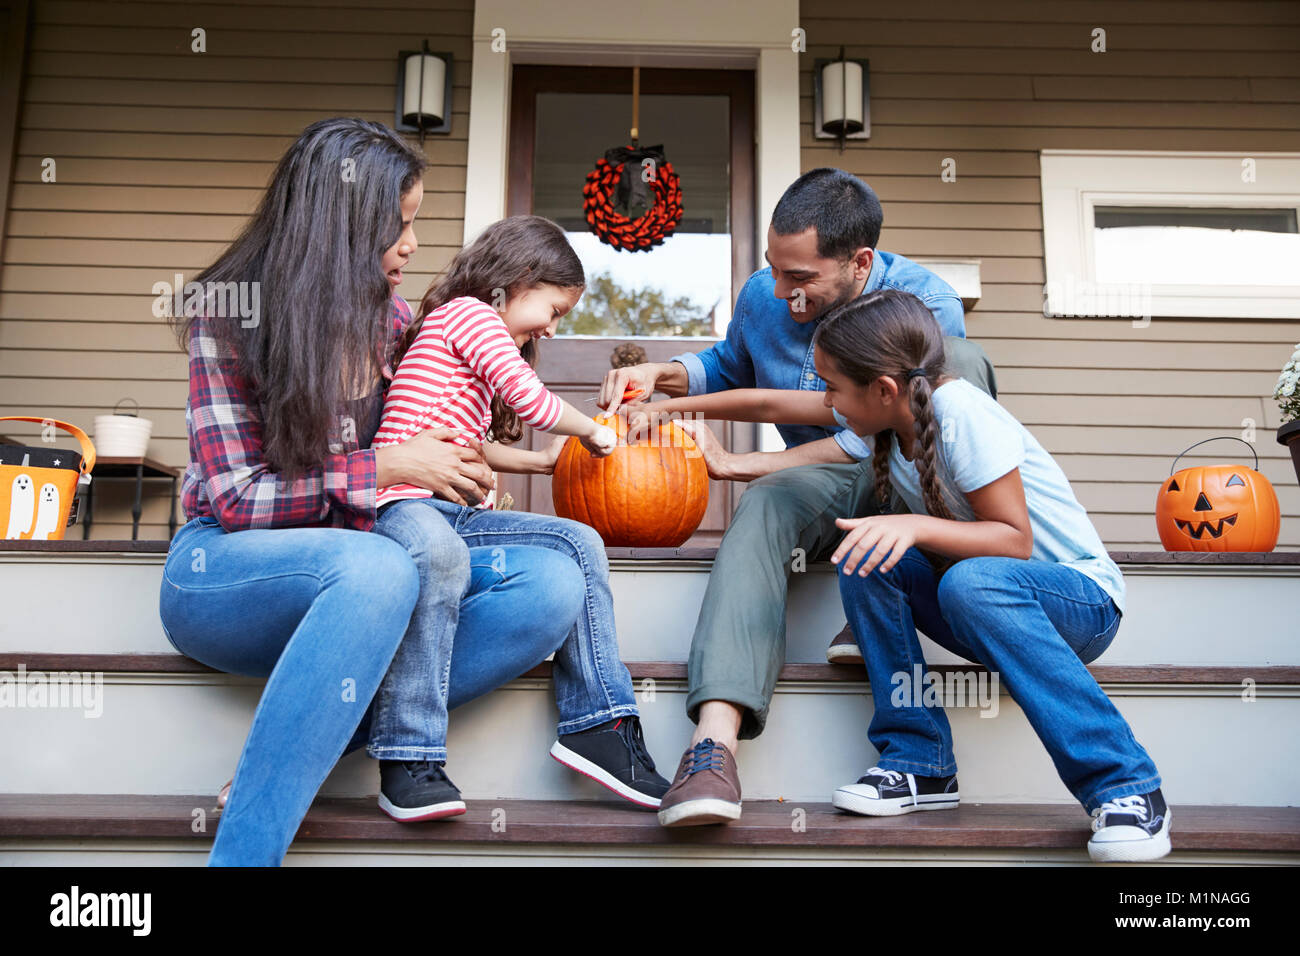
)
(845, 798)
(1134, 851)
(844, 654)
(603, 777)
(434, 811)
(699, 812)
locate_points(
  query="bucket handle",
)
(1216, 438)
(135, 414)
(87, 447)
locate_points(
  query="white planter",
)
(122, 436)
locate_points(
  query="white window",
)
(1141, 234)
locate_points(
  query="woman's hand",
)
(430, 459)
(717, 458)
(889, 535)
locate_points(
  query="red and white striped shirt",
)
(461, 357)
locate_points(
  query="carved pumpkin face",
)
(1218, 508)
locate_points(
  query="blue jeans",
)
(320, 613)
(1034, 623)
(592, 685)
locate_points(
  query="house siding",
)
(162, 153)
(990, 85)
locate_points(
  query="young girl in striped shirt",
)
(468, 364)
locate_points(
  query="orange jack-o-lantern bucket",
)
(1217, 508)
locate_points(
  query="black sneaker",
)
(411, 790)
(887, 793)
(614, 755)
(1131, 829)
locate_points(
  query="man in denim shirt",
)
(821, 253)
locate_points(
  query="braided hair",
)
(889, 333)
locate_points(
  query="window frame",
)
(737, 85)
(1074, 182)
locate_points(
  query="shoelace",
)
(1135, 805)
(706, 755)
(635, 738)
(423, 771)
(891, 777)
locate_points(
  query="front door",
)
(645, 305)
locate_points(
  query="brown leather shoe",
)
(844, 649)
(706, 788)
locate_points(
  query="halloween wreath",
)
(623, 183)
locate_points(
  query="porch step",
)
(1205, 668)
(1182, 609)
(815, 739)
(133, 828)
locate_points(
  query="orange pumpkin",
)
(650, 493)
(1218, 508)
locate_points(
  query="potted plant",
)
(1287, 394)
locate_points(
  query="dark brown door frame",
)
(563, 368)
(737, 85)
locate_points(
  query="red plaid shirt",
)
(227, 477)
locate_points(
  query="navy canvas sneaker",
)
(614, 755)
(1131, 829)
(887, 793)
(412, 790)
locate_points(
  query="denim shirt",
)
(766, 348)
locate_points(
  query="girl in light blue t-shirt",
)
(998, 563)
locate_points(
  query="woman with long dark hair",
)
(277, 572)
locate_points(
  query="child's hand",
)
(600, 441)
(718, 460)
(643, 416)
(551, 453)
(889, 535)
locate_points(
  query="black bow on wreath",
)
(633, 191)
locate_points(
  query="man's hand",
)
(667, 377)
(889, 535)
(618, 381)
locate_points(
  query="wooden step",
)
(768, 823)
(673, 670)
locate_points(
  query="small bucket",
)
(122, 434)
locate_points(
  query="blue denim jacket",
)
(765, 348)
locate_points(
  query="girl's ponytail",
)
(893, 333)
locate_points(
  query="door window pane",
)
(681, 287)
